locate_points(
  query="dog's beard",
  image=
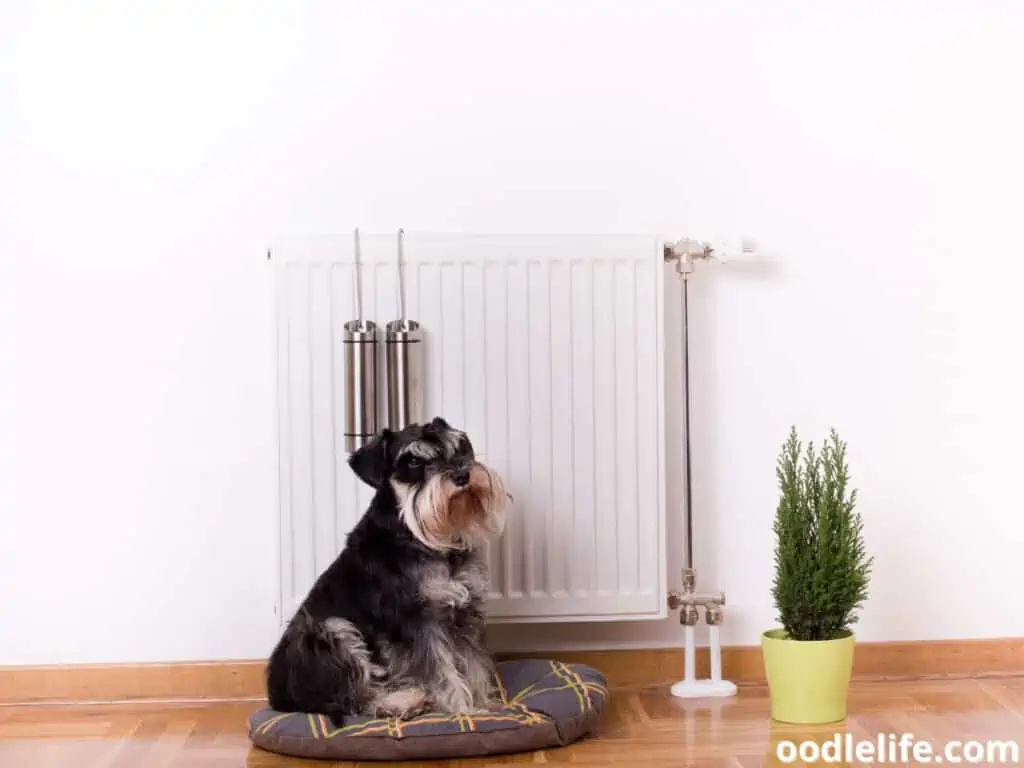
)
(442, 515)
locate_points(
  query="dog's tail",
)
(321, 667)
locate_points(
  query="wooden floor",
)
(643, 726)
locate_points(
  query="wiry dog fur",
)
(394, 626)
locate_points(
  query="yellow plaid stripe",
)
(560, 672)
(579, 680)
(501, 689)
(573, 682)
(393, 726)
(271, 722)
(589, 687)
(527, 691)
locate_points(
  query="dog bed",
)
(543, 704)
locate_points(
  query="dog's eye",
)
(415, 463)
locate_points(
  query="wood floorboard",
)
(643, 726)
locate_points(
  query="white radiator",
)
(548, 351)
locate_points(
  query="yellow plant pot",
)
(807, 680)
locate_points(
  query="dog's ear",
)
(438, 423)
(372, 462)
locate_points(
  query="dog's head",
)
(446, 498)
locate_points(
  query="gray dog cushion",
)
(543, 704)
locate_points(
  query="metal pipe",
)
(403, 358)
(687, 465)
(684, 254)
(677, 599)
(359, 342)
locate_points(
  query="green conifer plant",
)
(822, 570)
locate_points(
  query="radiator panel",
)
(548, 351)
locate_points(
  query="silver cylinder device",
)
(359, 343)
(403, 350)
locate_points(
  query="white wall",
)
(147, 156)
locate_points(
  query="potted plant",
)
(821, 580)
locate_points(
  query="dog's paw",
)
(422, 709)
(460, 596)
(487, 704)
(403, 704)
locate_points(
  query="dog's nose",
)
(461, 477)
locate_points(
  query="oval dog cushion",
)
(543, 704)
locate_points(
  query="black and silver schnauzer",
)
(394, 626)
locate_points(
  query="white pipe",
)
(716, 654)
(712, 687)
(690, 660)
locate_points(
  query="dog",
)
(394, 626)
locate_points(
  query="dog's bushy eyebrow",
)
(431, 445)
(422, 449)
(454, 442)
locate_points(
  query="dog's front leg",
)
(439, 666)
(467, 683)
(481, 679)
